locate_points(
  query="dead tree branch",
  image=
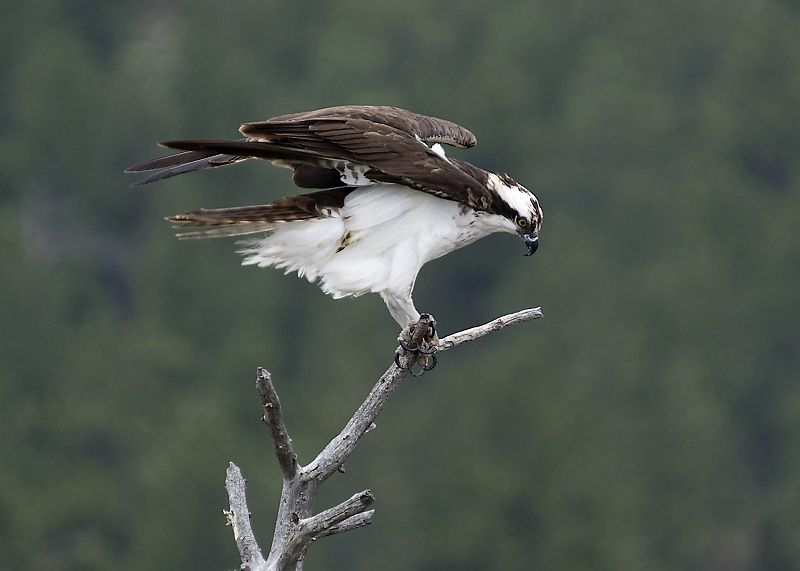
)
(296, 525)
(273, 417)
(239, 519)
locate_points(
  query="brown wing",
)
(389, 141)
(392, 154)
(428, 129)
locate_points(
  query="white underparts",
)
(377, 243)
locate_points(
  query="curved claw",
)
(431, 351)
(397, 360)
(406, 347)
(416, 374)
(430, 363)
(423, 355)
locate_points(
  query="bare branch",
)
(239, 519)
(474, 333)
(274, 419)
(296, 525)
(325, 520)
(358, 520)
(343, 444)
(310, 528)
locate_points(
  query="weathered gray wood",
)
(273, 417)
(358, 520)
(343, 444)
(497, 324)
(239, 519)
(296, 525)
(307, 530)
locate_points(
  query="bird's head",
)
(519, 209)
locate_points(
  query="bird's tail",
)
(243, 220)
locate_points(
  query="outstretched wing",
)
(389, 143)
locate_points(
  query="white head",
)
(519, 208)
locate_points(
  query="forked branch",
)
(297, 525)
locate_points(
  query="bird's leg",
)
(430, 341)
(418, 346)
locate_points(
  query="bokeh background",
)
(650, 421)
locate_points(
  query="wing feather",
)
(387, 142)
(176, 159)
(392, 154)
(428, 129)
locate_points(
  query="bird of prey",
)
(386, 198)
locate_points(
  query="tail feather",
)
(240, 220)
(242, 229)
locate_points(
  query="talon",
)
(397, 361)
(423, 355)
(427, 364)
(431, 351)
(417, 374)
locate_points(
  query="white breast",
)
(377, 242)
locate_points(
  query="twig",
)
(474, 333)
(274, 420)
(358, 520)
(329, 518)
(309, 529)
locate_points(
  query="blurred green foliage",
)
(651, 421)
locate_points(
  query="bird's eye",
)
(521, 222)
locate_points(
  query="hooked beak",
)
(531, 241)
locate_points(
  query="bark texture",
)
(297, 526)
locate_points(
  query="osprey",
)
(387, 199)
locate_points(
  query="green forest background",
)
(651, 420)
